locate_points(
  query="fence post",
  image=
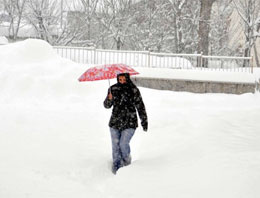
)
(95, 55)
(251, 63)
(201, 59)
(149, 57)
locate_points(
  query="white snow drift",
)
(55, 142)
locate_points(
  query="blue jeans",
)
(120, 146)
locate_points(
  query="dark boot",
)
(115, 168)
(128, 160)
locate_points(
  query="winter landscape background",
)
(55, 141)
(54, 135)
(211, 27)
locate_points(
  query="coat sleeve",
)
(139, 104)
(108, 103)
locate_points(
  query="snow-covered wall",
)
(196, 86)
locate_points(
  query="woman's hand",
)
(110, 96)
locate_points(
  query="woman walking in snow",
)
(125, 98)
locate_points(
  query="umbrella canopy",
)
(107, 71)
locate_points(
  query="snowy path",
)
(193, 149)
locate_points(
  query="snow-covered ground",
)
(3, 40)
(55, 142)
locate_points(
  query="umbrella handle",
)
(109, 86)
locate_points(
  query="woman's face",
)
(122, 79)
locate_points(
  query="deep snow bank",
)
(27, 51)
(31, 70)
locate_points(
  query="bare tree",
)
(81, 23)
(44, 16)
(219, 31)
(152, 26)
(89, 8)
(184, 24)
(15, 10)
(249, 12)
(164, 26)
(204, 25)
(115, 19)
(177, 8)
(144, 13)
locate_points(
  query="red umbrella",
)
(107, 71)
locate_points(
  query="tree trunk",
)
(256, 56)
(118, 43)
(255, 49)
(176, 46)
(204, 26)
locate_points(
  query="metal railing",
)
(160, 60)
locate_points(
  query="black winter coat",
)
(126, 99)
